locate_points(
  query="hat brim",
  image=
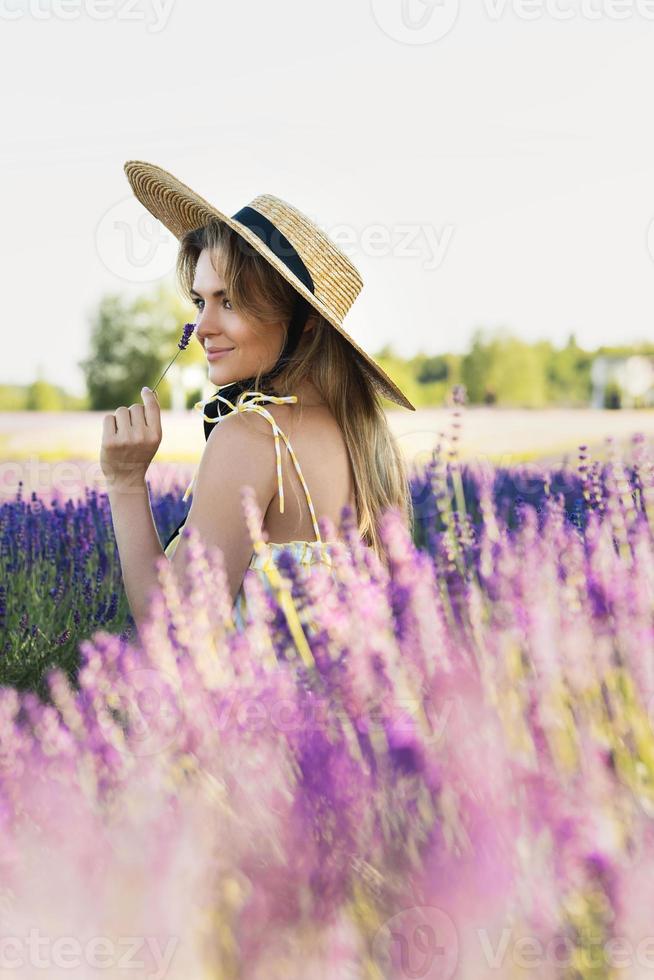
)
(180, 209)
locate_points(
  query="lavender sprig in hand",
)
(183, 344)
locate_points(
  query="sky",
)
(483, 166)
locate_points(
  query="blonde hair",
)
(260, 293)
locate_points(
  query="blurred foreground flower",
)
(457, 783)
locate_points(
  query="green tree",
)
(131, 343)
(568, 373)
(41, 396)
(435, 368)
(13, 398)
(503, 369)
(400, 372)
(475, 368)
(75, 403)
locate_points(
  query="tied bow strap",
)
(250, 401)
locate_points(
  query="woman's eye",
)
(197, 301)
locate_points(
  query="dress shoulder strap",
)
(251, 401)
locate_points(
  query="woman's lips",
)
(214, 355)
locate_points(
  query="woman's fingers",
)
(130, 439)
(151, 408)
(109, 425)
(123, 420)
(137, 416)
(140, 422)
(129, 419)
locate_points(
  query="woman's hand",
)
(130, 439)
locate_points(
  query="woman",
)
(271, 291)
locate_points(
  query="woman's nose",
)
(202, 325)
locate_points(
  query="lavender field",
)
(61, 449)
(453, 777)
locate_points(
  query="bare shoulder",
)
(233, 453)
(290, 419)
(251, 425)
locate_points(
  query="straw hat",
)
(294, 246)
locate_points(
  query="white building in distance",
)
(631, 378)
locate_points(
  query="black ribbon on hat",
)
(277, 242)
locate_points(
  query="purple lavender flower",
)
(186, 335)
(476, 733)
(182, 345)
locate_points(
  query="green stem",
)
(166, 371)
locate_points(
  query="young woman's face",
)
(252, 346)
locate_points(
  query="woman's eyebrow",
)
(218, 293)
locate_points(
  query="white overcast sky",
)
(512, 158)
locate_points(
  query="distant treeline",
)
(498, 368)
(501, 369)
(40, 396)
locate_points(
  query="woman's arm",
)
(138, 544)
(130, 439)
(239, 451)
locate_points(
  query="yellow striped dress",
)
(263, 562)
